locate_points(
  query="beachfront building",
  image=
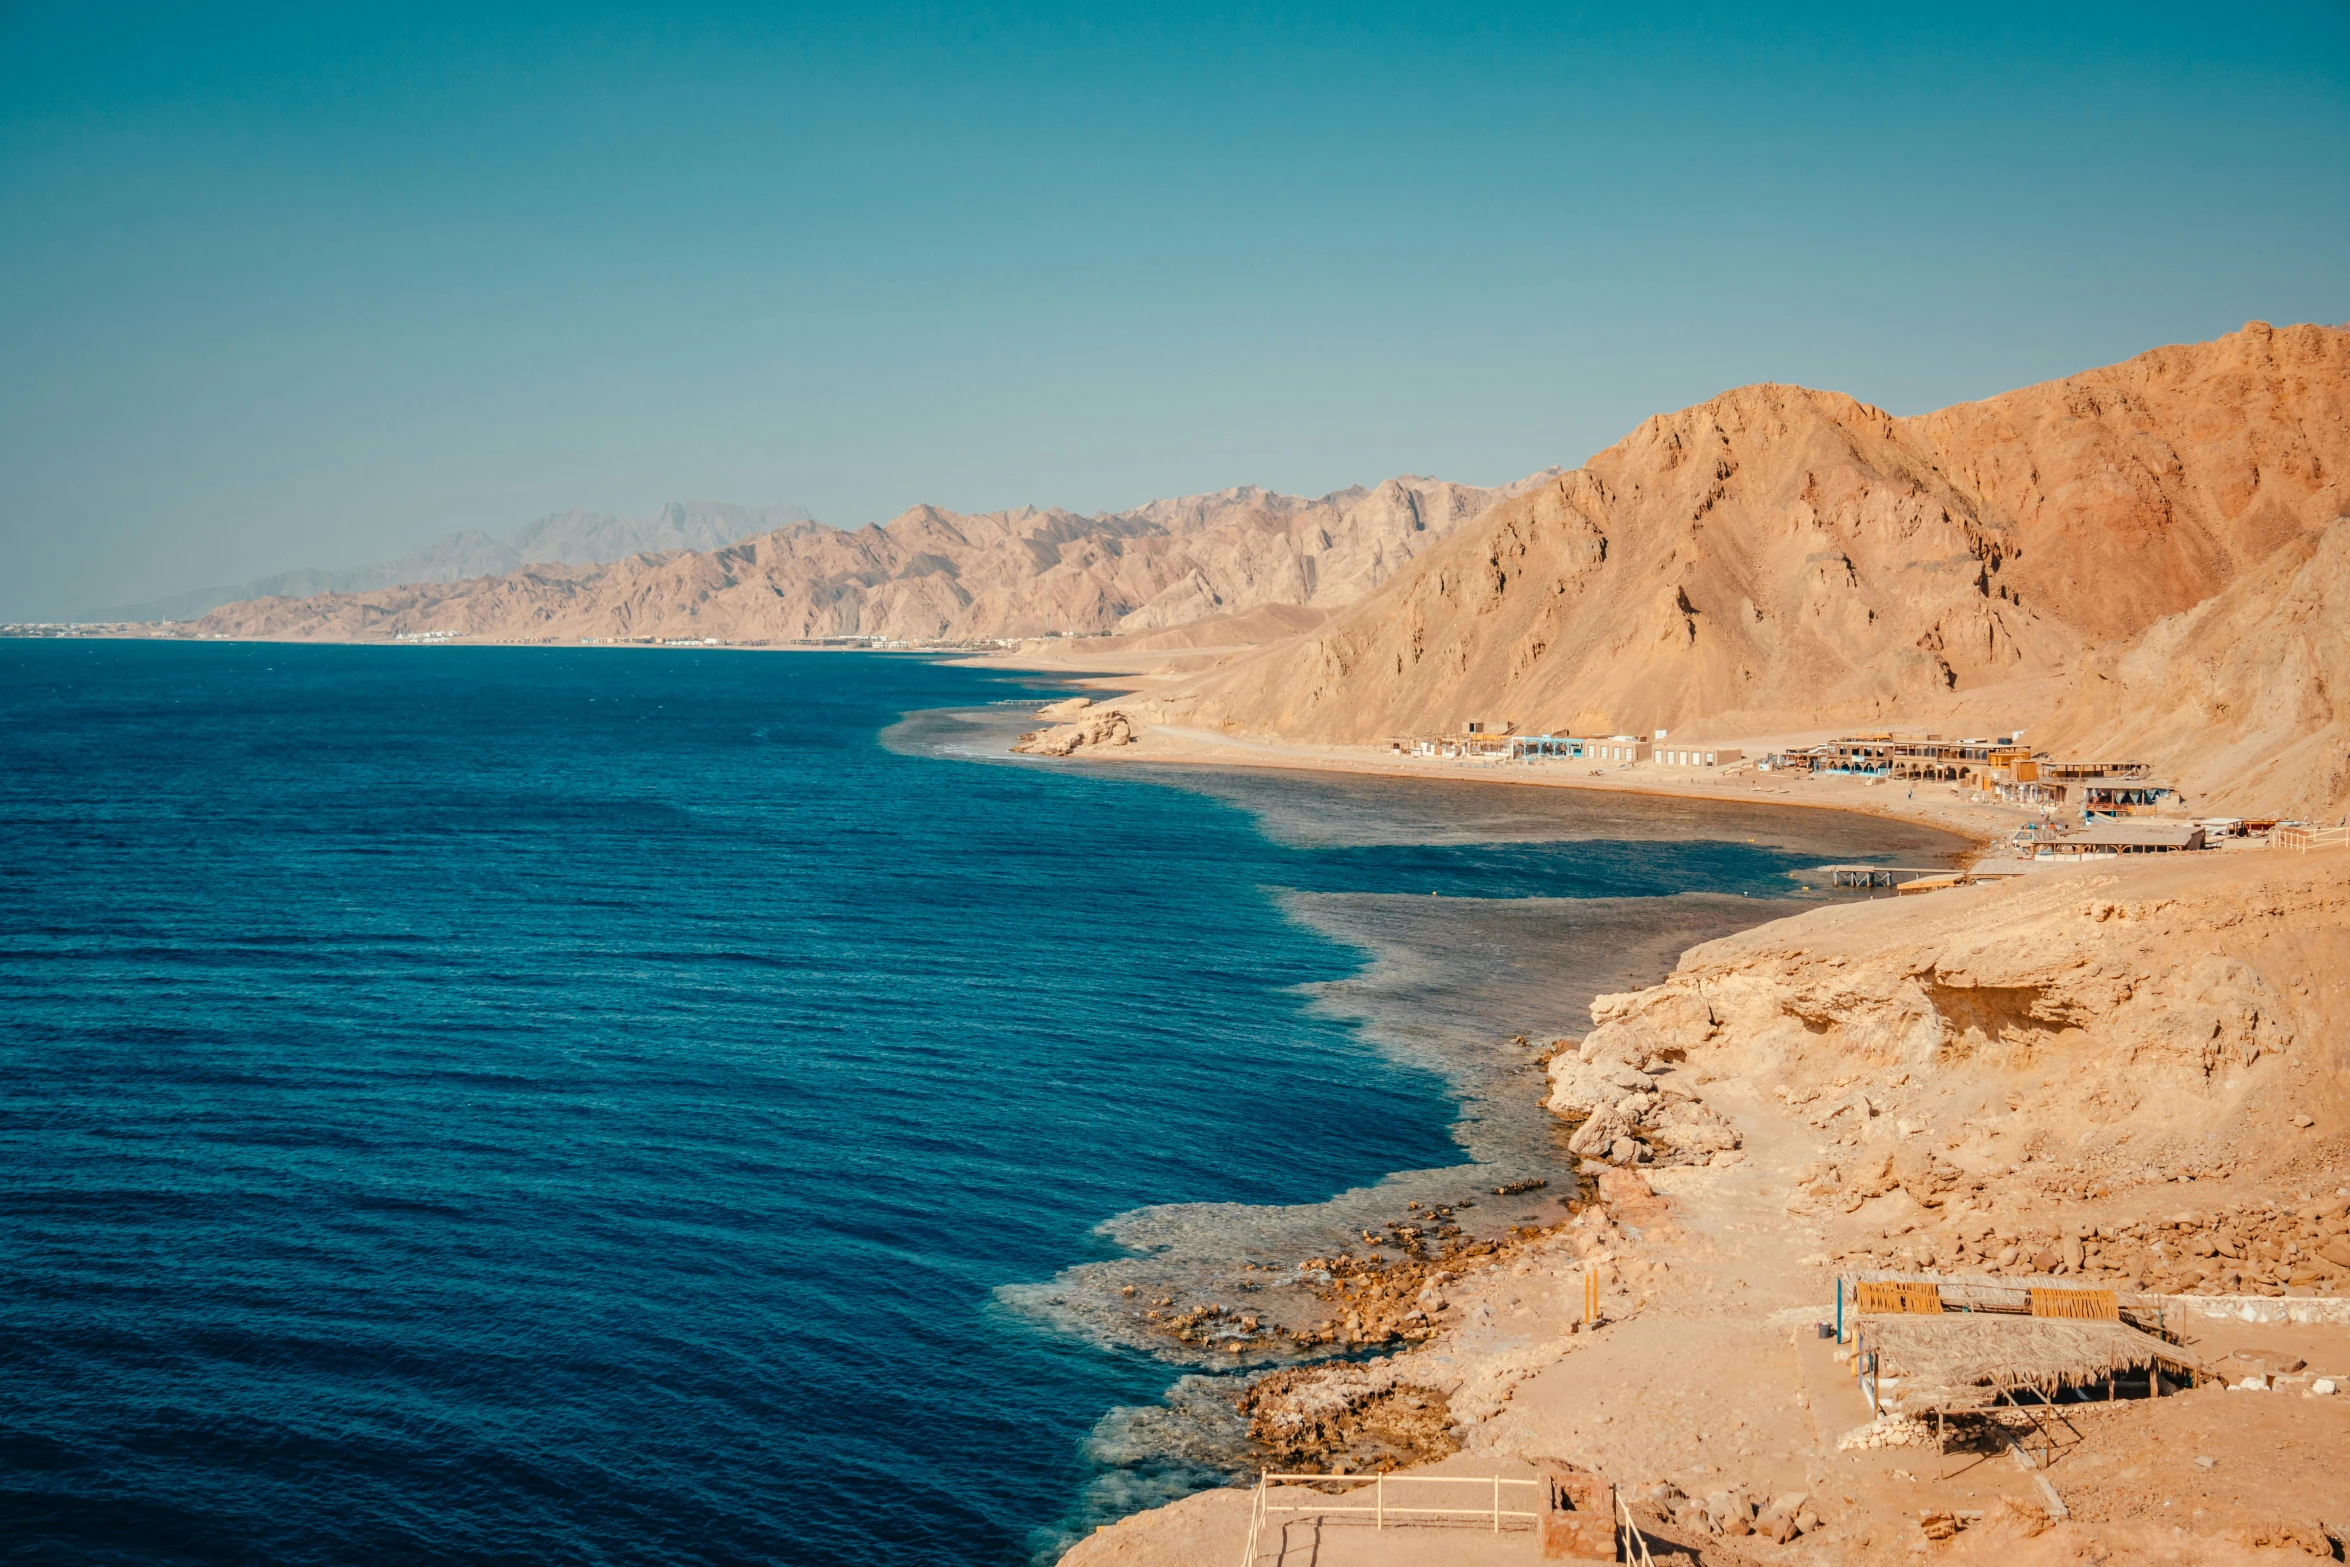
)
(1919, 758)
(2004, 768)
(1685, 755)
(1496, 743)
(2112, 839)
(2123, 796)
(1617, 750)
(1983, 763)
(1471, 747)
(1868, 756)
(1548, 748)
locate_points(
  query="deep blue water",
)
(480, 1105)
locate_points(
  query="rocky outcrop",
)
(1632, 1115)
(1371, 1415)
(933, 574)
(2113, 1026)
(1103, 730)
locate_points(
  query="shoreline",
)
(1982, 825)
(1229, 1294)
(1677, 1257)
(1732, 1260)
(1281, 1311)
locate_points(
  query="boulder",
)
(1105, 729)
(1690, 1126)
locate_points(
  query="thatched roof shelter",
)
(1967, 1360)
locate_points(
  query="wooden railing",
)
(1634, 1543)
(1380, 1510)
(2306, 838)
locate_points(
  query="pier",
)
(1869, 875)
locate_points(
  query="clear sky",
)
(307, 286)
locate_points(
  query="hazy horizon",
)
(287, 289)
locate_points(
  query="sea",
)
(511, 1105)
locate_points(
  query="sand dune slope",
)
(2244, 699)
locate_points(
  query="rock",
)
(1580, 1089)
(1937, 1525)
(2047, 1261)
(2323, 1387)
(1730, 1512)
(1886, 1431)
(1690, 1127)
(1598, 1134)
(1106, 729)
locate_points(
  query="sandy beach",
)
(1943, 806)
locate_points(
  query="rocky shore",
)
(2131, 1075)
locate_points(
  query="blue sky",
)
(307, 286)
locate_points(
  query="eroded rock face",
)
(2149, 1006)
(2186, 1018)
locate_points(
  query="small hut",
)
(1959, 1362)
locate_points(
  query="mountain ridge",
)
(1781, 559)
(931, 573)
(575, 536)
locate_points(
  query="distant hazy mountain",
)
(576, 538)
(933, 573)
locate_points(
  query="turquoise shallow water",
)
(472, 1105)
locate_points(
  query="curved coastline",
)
(1472, 988)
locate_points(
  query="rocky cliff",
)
(933, 573)
(1787, 558)
(2120, 1025)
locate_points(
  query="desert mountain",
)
(933, 573)
(2244, 700)
(1784, 558)
(579, 538)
